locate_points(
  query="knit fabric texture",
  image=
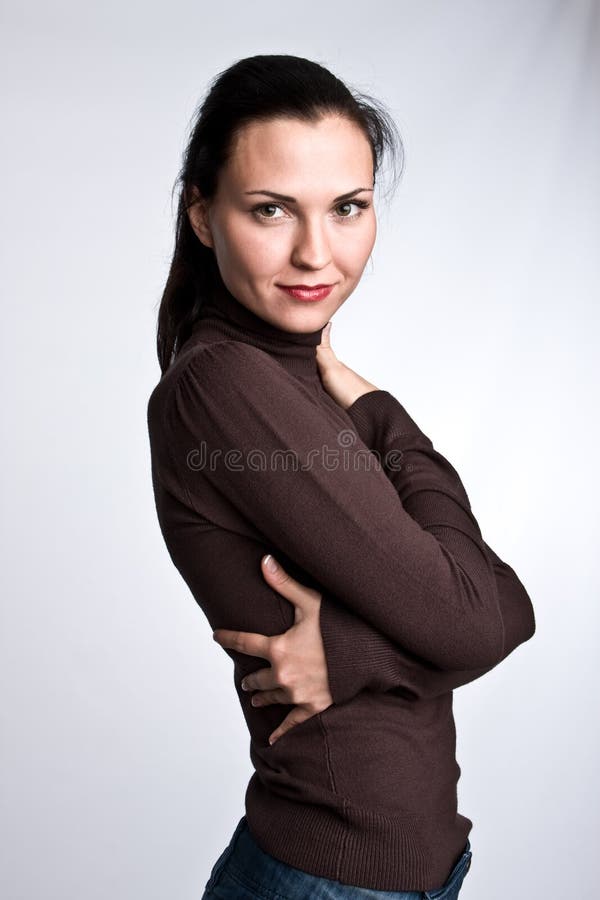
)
(250, 455)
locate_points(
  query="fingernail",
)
(271, 740)
(244, 688)
(270, 563)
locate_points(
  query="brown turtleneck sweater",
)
(250, 455)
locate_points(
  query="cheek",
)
(263, 252)
(253, 250)
(354, 249)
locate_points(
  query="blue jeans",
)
(245, 872)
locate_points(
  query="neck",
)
(222, 315)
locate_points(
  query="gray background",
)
(124, 752)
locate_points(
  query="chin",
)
(305, 320)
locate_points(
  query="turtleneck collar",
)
(222, 315)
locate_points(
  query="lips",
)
(309, 293)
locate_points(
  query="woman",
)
(266, 448)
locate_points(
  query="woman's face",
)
(312, 238)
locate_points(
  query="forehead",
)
(279, 154)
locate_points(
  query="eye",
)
(266, 206)
(263, 211)
(361, 204)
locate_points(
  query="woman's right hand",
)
(298, 671)
(339, 380)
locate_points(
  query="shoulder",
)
(214, 366)
(223, 368)
(221, 357)
(221, 377)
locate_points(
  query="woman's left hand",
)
(298, 672)
(341, 382)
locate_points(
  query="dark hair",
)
(256, 88)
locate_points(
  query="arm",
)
(360, 657)
(423, 480)
(325, 508)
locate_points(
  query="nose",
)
(311, 248)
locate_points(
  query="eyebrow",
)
(286, 199)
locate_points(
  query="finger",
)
(288, 587)
(261, 680)
(325, 355)
(326, 337)
(294, 717)
(267, 698)
(243, 642)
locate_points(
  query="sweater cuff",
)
(379, 418)
(358, 656)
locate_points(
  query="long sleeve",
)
(424, 480)
(237, 424)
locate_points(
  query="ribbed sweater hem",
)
(355, 846)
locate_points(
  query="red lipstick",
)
(308, 292)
